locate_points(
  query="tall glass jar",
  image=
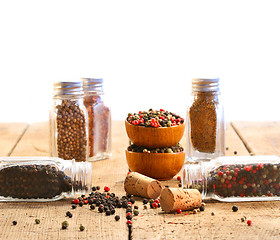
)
(205, 121)
(41, 179)
(236, 178)
(69, 122)
(99, 114)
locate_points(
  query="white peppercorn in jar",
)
(43, 179)
(69, 122)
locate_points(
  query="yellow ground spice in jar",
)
(203, 120)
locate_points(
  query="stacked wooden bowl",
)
(161, 166)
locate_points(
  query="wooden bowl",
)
(151, 137)
(161, 166)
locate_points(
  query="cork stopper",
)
(143, 186)
(172, 199)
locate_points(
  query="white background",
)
(146, 52)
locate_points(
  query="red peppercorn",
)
(85, 201)
(161, 110)
(129, 213)
(179, 210)
(156, 201)
(155, 205)
(106, 189)
(128, 222)
(179, 178)
(129, 203)
(249, 222)
(76, 201)
(220, 173)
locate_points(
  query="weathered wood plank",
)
(260, 137)
(34, 142)
(234, 143)
(10, 134)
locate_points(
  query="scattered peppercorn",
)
(69, 214)
(212, 214)
(106, 189)
(202, 208)
(92, 207)
(249, 222)
(117, 217)
(179, 178)
(74, 206)
(82, 228)
(136, 212)
(145, 201)
(234, 208)
(235, 152)
(37, 221)
(179, 210)
(14, 222)
(195, 211)
(64, 224)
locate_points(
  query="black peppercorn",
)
(82, 228)
(145, 201)
(117, 217)
(81, 203)
(37, 221)
(234, 208)
(101, 209)
(92, 207)
(202, 208)
(14, 222)
(74, 206)
(108, 212)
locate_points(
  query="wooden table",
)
(20, 139)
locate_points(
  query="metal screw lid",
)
(93, 85)
(68, 88)
(205, 84)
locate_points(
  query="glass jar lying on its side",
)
(42, 179)
(235, 179)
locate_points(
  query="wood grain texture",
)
(260, 137)
(150, 223)
(10, 134)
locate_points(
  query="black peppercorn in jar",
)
(235, 178)
(43, 178)
(69, 122)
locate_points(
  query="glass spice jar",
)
(69, 122)
(41, 179)
(99, 115)
(205, 121)
(235, 179)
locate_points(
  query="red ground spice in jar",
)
(99, 115)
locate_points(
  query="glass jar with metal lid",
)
(99, 114)
(69, 122)
(43, 179)
(205, 121)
